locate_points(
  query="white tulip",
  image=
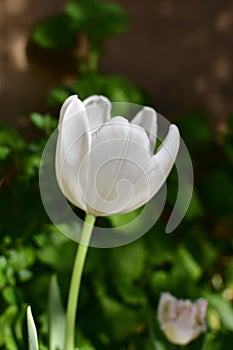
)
(181, 320)
(106, 165)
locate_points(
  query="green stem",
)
(76, 281)
(93, 61)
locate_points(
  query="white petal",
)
(119, 155)
(179, 335)
(180, 319)
(72, 102)
(167, 152)
(147, 118)
(202, 305)
(157, 170)
(73, 144)
(165, 301)
(98, 111)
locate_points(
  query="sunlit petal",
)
(73, 144)
(158, 168)
(119, 157)
(147, 119)
(98, 111)
(72, 106)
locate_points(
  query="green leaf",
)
(84, 344)
(189, 263)
(116, 88)
(97, 19)
(127, 263)
(31, 165)
(53, 33)
(159, 345)
(44, 122)
(7, 338)
(201, 247)
(123, 219)
(9, 138)
(57, 318)
(223, 307)
(122, 320)
(22, 258)
(25, 275)
(8, 294)
(4, 152)
(58, 95)
(159, 282)
(3, 266)
(32, 333)
(19, 327)
(211, 342)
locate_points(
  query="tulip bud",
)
(181, 320)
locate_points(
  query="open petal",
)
(158, 169)
(98, 111)
(202, 305)
(167, 152)
(179, 335)
(73, 144)
(119, 156)
(70, 107)
(147, 118)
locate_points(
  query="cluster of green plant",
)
(121, 286)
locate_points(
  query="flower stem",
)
(93, 61)
(76, 281)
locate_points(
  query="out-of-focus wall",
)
(180, 51)
(23, 85)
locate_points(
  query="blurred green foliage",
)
(97, 19)
(114, 87)
(121, 286)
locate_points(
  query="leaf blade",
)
(32, 333)
(57, 319)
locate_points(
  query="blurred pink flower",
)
(181, 320)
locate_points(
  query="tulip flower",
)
(181, 320)
(107, 165)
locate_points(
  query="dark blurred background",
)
(180, 52)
